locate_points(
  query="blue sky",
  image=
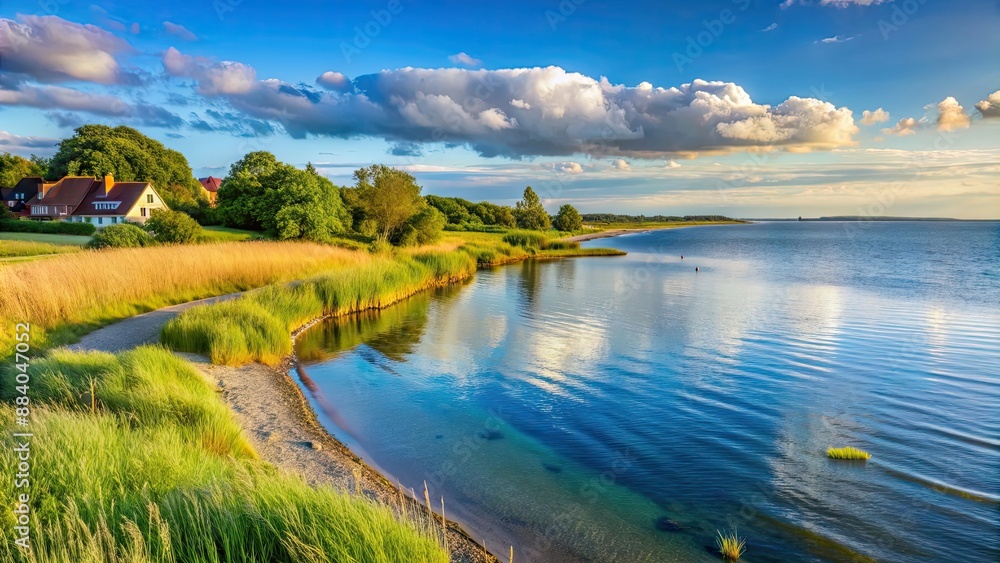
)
(749, 108)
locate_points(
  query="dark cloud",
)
(406, 149)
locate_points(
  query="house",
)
(102, 202)
(16, 198)
(211, 187)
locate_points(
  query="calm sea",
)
(624, 409)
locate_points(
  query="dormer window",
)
(107, 205)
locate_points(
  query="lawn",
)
(226, 234)
(70, 240)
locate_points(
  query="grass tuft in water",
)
(730, 545)
(847, 453)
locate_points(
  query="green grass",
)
(226, 234)
(22, 249)
(68, 240)
(135, 458)
(847, 453)
(730, 545)
(526, 239)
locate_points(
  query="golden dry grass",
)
(67, 295)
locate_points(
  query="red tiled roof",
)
(211, 183)
(127, 193)
(69, 191)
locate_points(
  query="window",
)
(149, 198)
(100, 220)
(142, 211)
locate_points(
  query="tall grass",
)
(526, 239)
(847, 453)
(256, 326)
(153, 467)
(64, 295)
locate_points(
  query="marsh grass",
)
(526, 239)
(160, 471)
(848, 453)
(67, 295)
(730, 545)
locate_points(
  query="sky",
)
(748, 108)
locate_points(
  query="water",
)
(624, 409)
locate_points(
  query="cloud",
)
(951, 115)
(564, 167)
(673, 164)
(214, 78)
(406, 149)
(179, 31)
(621, 164)
(10, 142)
(465, 59)
(60, 98)
(872, 117)
(835, 39)
(51, 49)
(771, 27)
(990, 107)
(906, 126)
(530, 112)
(334, 81)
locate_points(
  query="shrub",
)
(48, 227)
(121, 235)
(173, 227)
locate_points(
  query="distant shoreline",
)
(619, 232)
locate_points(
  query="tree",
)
(529, 212)
(568, 219)
(121, 235)
(424, 227)
(388, 197)
(261, 193)
(96, 150)
(14, 167)
(173, 227)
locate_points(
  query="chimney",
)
(109, 182)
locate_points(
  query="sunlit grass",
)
(730, 545)
(847, 453)
(66, 295)
(135, 458)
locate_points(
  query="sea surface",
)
(627, 408)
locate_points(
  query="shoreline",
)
(631, 231)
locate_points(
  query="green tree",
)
(121, 235)
(568, 219)
(96, 150)
(424, 227)
(388, 197)
(529, 212)
(14, 167)
(172, 227)
(261, 193)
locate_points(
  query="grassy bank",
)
(13, 249)
(65, 296)
(256, 327)
(135, 458)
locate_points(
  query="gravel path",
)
(140, 329)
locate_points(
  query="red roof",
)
(69, 191)
(211, 183)
(126, 193)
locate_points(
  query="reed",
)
(730, 545)
(196, 492)
(526, 239)
(67, 295)
(848, 453)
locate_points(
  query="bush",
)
(173, 227)
(48, 227)
(568, 219)
(121, 235)
(561, 245)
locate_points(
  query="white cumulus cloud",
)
(465, 59)
(951, 115)
(214, 78)
(621, 164)
(334, 81)
(905, 126)
(990, 107)
(876, 116)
